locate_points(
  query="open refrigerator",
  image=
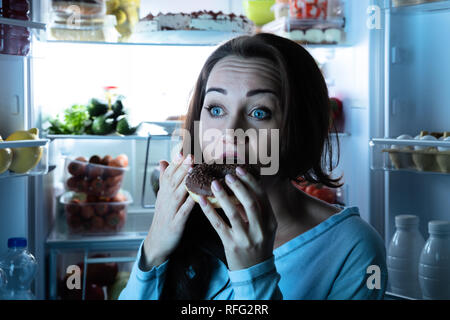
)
(390, 73)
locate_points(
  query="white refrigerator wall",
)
(419, 99)
(13, 116)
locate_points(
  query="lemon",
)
(121, 17)
(112, 5)
(25, 159)
(5, 158)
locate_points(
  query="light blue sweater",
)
(341, 258)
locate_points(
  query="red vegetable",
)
(325, 194)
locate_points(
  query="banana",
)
(25, 159)
(5, 158)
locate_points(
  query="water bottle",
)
(403, 257)
(19, 266)
(434, 267)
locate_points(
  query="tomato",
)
(324, 194)
(310, 189)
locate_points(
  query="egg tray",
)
(429, 160)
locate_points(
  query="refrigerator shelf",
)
(133, 233)
(158, 130)
(41, 168)
(394, 296)
(23, 143)
(163, 38)
(23, 23)
(419, 156)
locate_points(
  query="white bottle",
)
(434, 267)
(403, 257)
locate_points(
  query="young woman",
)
(279, 243)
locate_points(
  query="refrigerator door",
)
(411, 95)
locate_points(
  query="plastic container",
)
(93, 179)
(15, 40)
(403, 257)
(87, 9)
(19, 266)
(101, 30)
(434, 267)
(306, 9)
(88, 215)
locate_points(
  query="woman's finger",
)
(184, 211)
(248, 200)
(250, 181)
(181, 171)
(174, 165)
(162, 168)
(254, 187)
(215, 219)
(230, 209)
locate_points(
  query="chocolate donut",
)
(198, 181)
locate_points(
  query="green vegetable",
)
(96, 108)
(123, 127)
(102, 125)
(117, 108)
(76, 119)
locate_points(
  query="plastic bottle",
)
(434, 267)
(403, 257)
(20, 266)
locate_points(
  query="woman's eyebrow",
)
(220, 90)
(259, 91)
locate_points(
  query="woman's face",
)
(240, 94)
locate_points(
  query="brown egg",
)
(113, 181)
(74, 222)
(72, 209)
(97, 187)
(94, 171)
(87, 212)
(123, 158)
(81, 159)
(106, 160)
(101, 209)
(97, 224)
(72, 183)
(95, 159)
(77, 168)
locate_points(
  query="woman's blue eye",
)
(216, 111)
(260, 114)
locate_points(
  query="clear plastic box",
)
(31, 151)
(411, 155)
(87, 217)
(95, 180)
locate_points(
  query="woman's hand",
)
(172, 209)
(251, 237)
